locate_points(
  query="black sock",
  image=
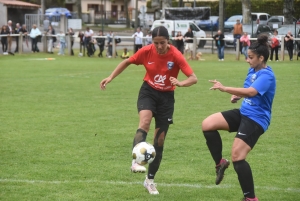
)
(243, 170)
(214, 143)
(153, 167)
(140, 136)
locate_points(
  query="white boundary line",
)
(269, 188)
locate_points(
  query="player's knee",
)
(160, 135)
(207, 125)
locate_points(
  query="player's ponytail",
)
(261, 46)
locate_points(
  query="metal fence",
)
(42, 21)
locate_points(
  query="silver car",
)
(253, 32)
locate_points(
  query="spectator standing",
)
(51, 39)
(4, 31)
(81, 43)
(100, 43)
(61, 37)
(46, 24)
(289, 43)
(179, 42)
(149, 38)
(219, 38)
(245, 40)
(138, 39)
(24, 32)
(237, 33)
(71, 34)
(189, 40)
(34, 34)
(88, 36)
(274, 45)
(9, 38)
(17, 31)
(109, 43)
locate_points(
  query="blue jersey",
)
(259, 107)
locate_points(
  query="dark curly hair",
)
(261, 47)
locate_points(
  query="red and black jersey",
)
(159, 68)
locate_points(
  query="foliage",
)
(63, 139)
(234, 7)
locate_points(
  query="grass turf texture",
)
(61, 138)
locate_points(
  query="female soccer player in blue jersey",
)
(249, 122)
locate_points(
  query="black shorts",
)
(160, 103)
(247, 130)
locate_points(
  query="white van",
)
(260, 18)
(174, 26)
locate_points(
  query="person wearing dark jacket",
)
(100, 43)
(219, 38)
(4, 31)
(289, 43)
(17, 31)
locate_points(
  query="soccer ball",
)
(80, 54)
(143, 153)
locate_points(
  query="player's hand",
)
(234, 98)
(217, 85)
(175, 82)
(104, 82)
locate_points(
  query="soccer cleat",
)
(150, 186)
(220, 169)
(137, 168)
(250, 199)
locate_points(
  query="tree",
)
(221, 15)
(288, 11)
(246, 9)
(126, 13)
(180, 4)
(78, 5)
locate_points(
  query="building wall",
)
(3, 14)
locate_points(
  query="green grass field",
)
(61, 138)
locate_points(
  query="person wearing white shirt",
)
(138, 43)
(9, 38)
(34, 33)
(149, 38)
(88, 36)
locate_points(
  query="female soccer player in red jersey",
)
(162, 62)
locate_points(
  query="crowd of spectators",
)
(89, 40)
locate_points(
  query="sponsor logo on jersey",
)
(160, 79)
(253, 77)
(170, 65)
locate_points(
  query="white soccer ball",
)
(80, 54)
(143, 153)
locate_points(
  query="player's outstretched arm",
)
(119, 69)
(240, 92)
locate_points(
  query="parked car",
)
(282, 31)
(228, 25)
(55, 13)
(277, 21)
(260, 18)
(211, 24)
(253, 32)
